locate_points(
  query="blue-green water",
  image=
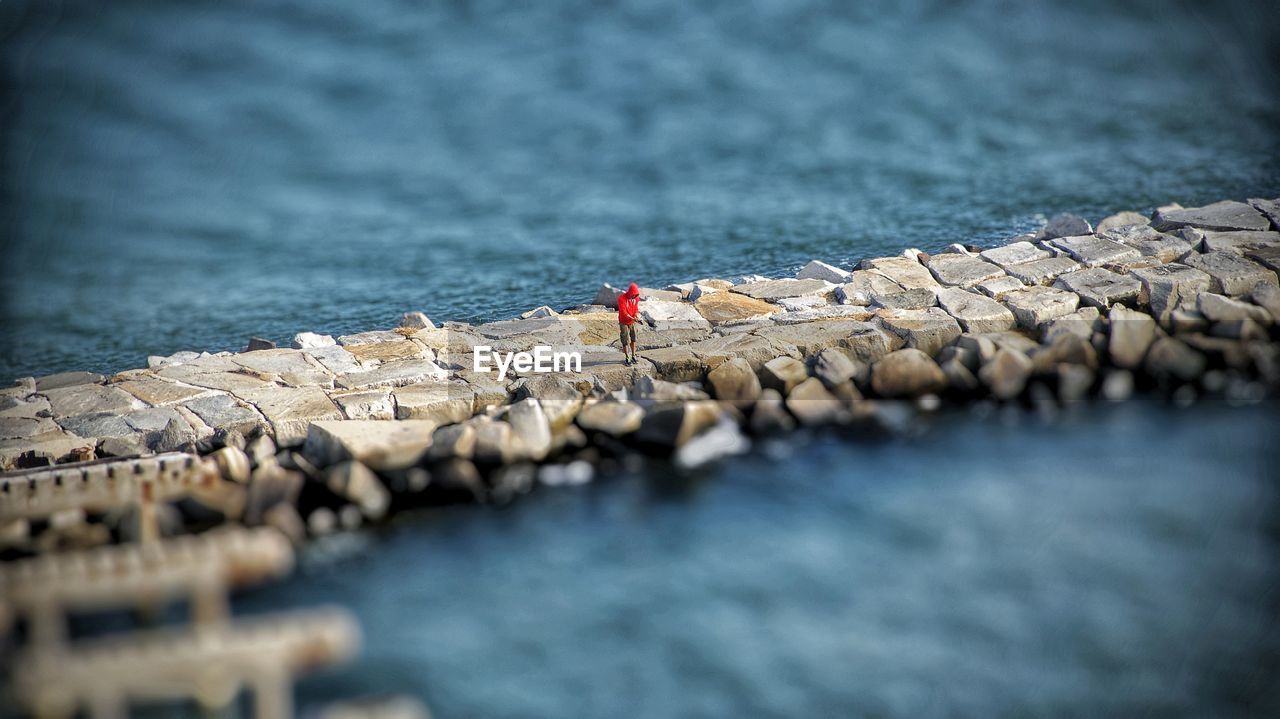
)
(969, 571)
(184, 175)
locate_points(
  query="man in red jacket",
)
(628, 310)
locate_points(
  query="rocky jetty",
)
(331, 433)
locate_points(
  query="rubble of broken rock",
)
(331, 432)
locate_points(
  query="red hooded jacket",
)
(629, 305)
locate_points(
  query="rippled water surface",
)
(185, 175)
(969, 571)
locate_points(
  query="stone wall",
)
(1183, 304)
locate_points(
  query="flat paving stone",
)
(773, 290)
(908, 273)
(1149, 242)
(1230, 274)
(962, 270)
(290, 410)
(1016, 253)
(1101, 288)
(974, 312)
(1035, 305)
(927, 330)
(1042, 272)
(1167, 286)
(89, 399)
(161, 393)
(1094, 251)
(1226, 215)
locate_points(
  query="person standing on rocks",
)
(628, 310)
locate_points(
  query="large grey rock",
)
(224, 412)
(30, 406)
(530, 428)
(1098, 287)
(1166, 287)
(416, 321)
(672, 425)
(615, 419)
(1217, 308)
(453, 441)
(863, 285)
(756, 350)
(1122, 219)
(607, 295)
(818, 270)
(356, 483)
(177, 435)
(1268, 257)
(365, 404)
(721, 307)
(908, 273)
(1226, 215)
(783, 373)
(53, 447)
(774, 290)
(1267, 296)
(648, 391)
(1094, 251)
(835, 369)
(833, 312)
(1150, 243)
(379, 444)
(960, 378)
(100, 425)
(662, 315)
(291, 410)
(917, 299)
(68, 379)
(926, 330)
(439, 402)
(337, 360)
(723, 439)
(1170, 359)
(676, 364)
(1131, 336)
(1081, 323)
(560, 398)
(907, 373)
(735, 381)
(975, 312)
(813, 405)
(999, 287)
(311, 340)
(1066, 348)
(1064, 225)
(1042, 272)
(962, 271)
(160, 393)
(1035, 305)
(1006, 374)
(1016, 253)
(1230, 274)
(1269, 209)
(862, 340)
(81, 399)
(397, 373)
(1237, 242)
(770, 416)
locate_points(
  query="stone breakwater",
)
(202, 472)
(334, 432)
